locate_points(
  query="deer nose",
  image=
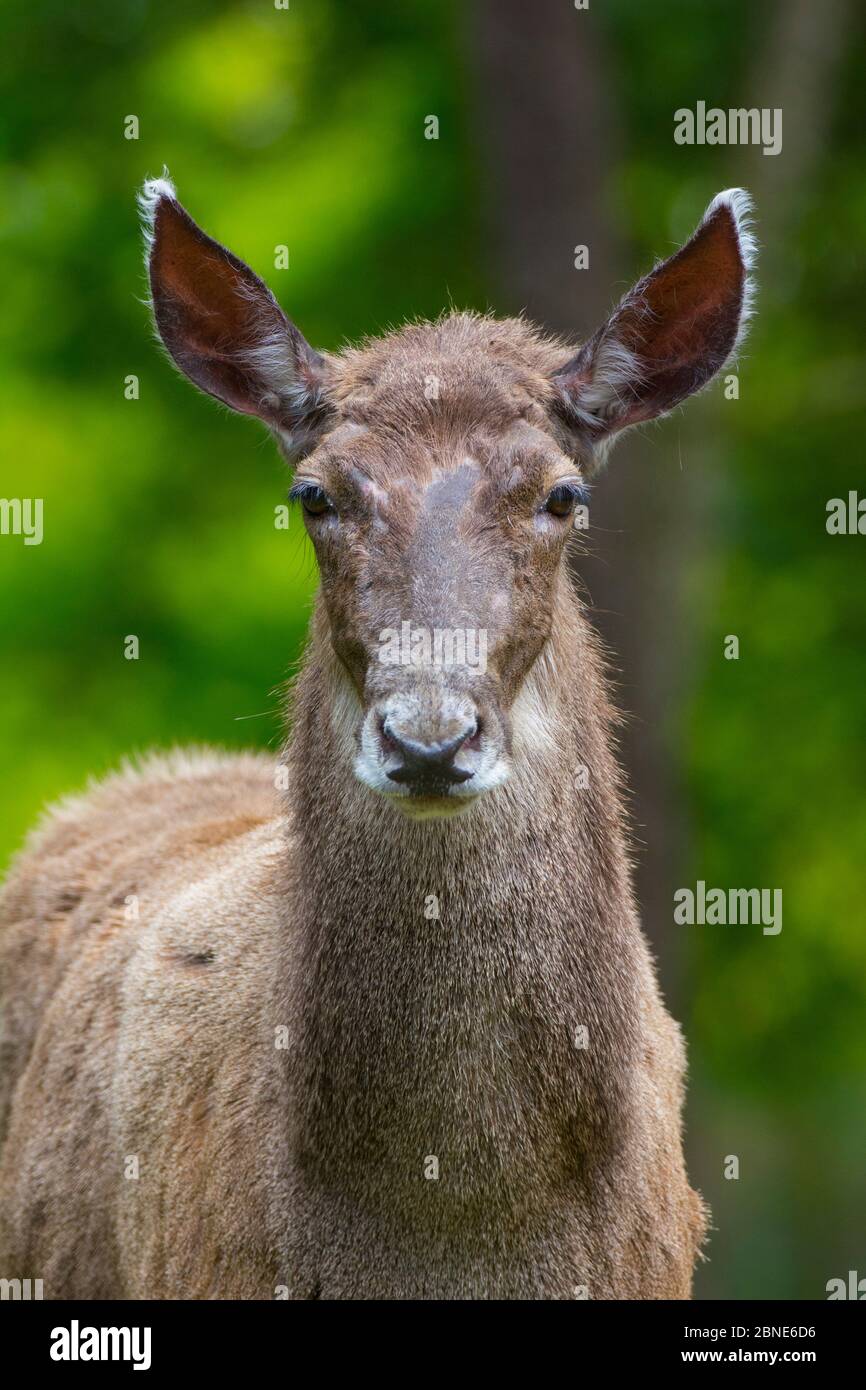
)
(428, 765)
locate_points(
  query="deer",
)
(376, 1018)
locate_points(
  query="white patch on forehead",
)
(451, 487)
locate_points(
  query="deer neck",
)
(438, 965)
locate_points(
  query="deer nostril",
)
(427, 765)
(472, 742)
(389, 743)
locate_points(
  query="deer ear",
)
(670, 334)
(224, 329)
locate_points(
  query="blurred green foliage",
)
(299, 127)
(773, 753)
(304, 127)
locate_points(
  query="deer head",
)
(438, 470)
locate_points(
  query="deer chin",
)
(444, 807)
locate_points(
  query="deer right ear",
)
(670, 334)
(224, 329)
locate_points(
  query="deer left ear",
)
(669, 335)
(224, 329)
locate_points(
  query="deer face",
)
(439, 552)
(438, 471)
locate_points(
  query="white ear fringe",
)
(739, 205)
(149, 198)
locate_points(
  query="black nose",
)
(428, 766)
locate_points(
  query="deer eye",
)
(314, 500)
(562, 500)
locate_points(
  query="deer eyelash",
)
(578, 489)
(298, 491)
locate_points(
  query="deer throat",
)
(464, 986)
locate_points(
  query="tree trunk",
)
(549, 138)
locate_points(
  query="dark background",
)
(305, 127)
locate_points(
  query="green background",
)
(305, 127)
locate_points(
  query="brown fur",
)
(283, 1037)
(259, 1167)
(559, 1168)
